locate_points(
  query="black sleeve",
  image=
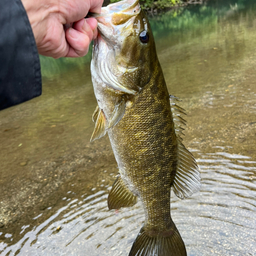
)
(20, 74)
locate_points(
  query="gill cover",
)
(113, 23)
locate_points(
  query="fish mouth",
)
(116, 14)
(125, 7)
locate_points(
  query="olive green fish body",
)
(145, 146)
(143, 123)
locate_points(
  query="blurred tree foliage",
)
(50, 66)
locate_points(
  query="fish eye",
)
(144, 37)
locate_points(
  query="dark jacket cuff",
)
(20, 74)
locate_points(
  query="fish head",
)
(125, 48)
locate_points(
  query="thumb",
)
(80, 36)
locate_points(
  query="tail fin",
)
(165, 244)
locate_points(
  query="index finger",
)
(75, 10)
(96, 6)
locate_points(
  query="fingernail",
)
(95, 33)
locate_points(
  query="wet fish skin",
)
(134, 109)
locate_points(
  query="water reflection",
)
(219, 221)
(209, 60)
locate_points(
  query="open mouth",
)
(117, 13)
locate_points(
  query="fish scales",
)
(144, 125)
(145, 143)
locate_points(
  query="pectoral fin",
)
(95, 114)
(100, 124)
(187, 178)
(117, 114)
(120, 195)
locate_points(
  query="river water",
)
(208, 55)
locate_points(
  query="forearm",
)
(37, 26)
(20, 76)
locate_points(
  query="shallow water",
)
(209, 60)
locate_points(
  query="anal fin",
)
(100, 124)
(120, 195)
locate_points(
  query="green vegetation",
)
(51, 67)
(185, 21)
(156, 4)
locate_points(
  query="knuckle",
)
(83, 47)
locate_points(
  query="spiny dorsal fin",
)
(117, 114)
(187, 178)
(120, 195)
(100, 124)
(177, 114)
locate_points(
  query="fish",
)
(144, 125)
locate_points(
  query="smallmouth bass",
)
(144, 125)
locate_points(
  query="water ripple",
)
(219, 219)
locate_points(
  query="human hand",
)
(49, 20)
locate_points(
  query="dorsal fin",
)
(120, 195)
(177, 114)
(100, 124)
(187, 178)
